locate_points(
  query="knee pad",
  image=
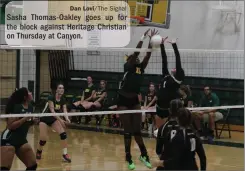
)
(34, 167)
(4, 169)
(63, 136)
(42, 143)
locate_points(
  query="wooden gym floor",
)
(92, 150)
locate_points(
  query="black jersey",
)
(185, 144)
(99, 93)
(169, 84)
(132, 79)
(168, 91)
(88, 91)
(149, 98)
(164, 137)
(58, 105)
(14, 136)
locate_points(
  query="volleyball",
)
(156, 40)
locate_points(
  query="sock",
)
(129, 158)
(127, 143)
(139, 140)
(64, 151)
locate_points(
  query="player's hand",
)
(153, 32)
(164, 39)
(173, 41)
(27, 118)
(68, 120)
(146, 33)
(36, 120)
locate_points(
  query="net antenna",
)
(230, 14)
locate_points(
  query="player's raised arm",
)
(132, 58)
(164, 59)
(148, 54)
(179, 70)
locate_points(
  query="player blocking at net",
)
(169, 85)
(128, 100)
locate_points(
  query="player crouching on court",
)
(13, 138)
(183, 146)
(56, 104)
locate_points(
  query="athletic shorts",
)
(49, 120)
(162, 113)
(217, 116)
(17, 143)
(127, 102)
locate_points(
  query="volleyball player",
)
(170, 84)
(13, 138)
(150, 103)
(164, 132)
(128, 100)
(184, 145)
(85, 102)
(98, 100)
(56, 104)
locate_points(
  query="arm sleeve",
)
(164, 61)
(127, 66)
(160, 141)
(179, 70)
(201, 154)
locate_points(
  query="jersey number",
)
(138, 71)
(172, 134)
(164, 84)
(193, 144)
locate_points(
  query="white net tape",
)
(122, 49)
(114, 112)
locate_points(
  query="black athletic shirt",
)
(58, 105)
(99, 93)
(185, 145)
(88, 91)
(149, 98)
(132, 79)
(169, 85)
(20, 132)
(165, 133)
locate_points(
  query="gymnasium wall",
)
(196, 26)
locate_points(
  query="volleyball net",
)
(39, 68)
(196, 109)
